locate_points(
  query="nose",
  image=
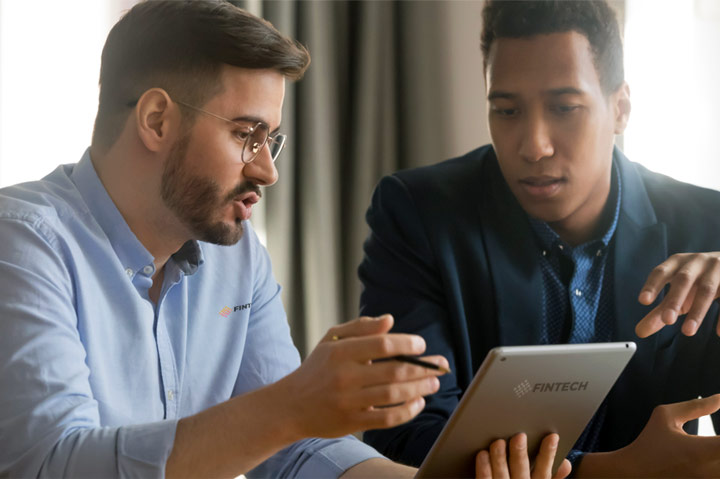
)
(262, 170)
(536, 142)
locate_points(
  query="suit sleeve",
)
(400, 276)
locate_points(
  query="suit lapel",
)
(637, 251)
(513, 258)
(640, 245)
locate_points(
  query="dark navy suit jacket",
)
(452, 257)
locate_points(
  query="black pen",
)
(408, 359)
(419, 362)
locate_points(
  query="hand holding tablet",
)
(511, 460)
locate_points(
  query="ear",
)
(155, 117)
(622, 107)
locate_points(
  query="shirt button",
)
(599, 253)
(170, 394)
(544, 252)
(578, 293)
(148, 270)
(129, 272)
(561, 247)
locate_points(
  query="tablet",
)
(537, 390)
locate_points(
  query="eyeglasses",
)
(254, 138)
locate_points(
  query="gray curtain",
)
(392, 85)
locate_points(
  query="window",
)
(672, 64)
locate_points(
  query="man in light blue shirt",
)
(141, 329)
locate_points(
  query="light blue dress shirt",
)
(93, 376)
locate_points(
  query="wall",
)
(49, 69)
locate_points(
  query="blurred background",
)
(393, 84)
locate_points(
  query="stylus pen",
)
(419, 362)
(408, 359)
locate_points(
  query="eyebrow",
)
(496, 95)
(255, 120)
(568, 90)
(250, 119)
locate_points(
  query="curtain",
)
(391, 85)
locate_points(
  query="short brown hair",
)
(592, 18)
(181, 46)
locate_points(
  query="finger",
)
(546, 457)
(680, 285)
(390, 371)
(564, 470)
(651, 323)
(381, 418)
(438, 360)
(705, 292)
(519, 462)
(682, 412)
(717, 328)
(426, 362)
(379, 346)
(657, 279)
(688, 301)
(483, 470)
(393, 394)
(498, 460)
(362, 326)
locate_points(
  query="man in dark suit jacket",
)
(547, 236)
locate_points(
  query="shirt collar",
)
(549, 239)
(132, 254)
(189, 257)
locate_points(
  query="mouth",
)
(544, 186)
(243, 204)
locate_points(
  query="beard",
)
(197, 201)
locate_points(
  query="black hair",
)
(592, 18)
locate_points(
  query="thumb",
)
(564, 470)
(362, 326)
(685, 411)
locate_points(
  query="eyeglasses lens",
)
(276, 145)
(255, 142)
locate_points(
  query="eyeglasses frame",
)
(277, 139)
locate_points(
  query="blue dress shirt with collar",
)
(93, 375)
(577, 291)
(577, 286)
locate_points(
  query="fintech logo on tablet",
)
(522, 389)
(569, 386)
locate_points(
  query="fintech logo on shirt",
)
(225, 312)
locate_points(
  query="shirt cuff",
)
(575, 456)
(143, 450)
(336, 458)
(315, 458)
